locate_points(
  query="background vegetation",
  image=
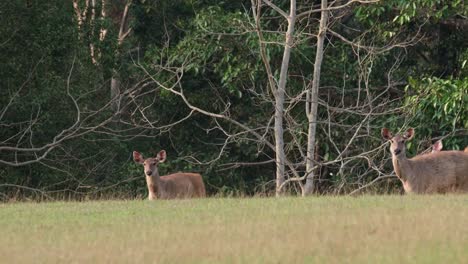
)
(77, 99)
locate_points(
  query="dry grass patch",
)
(383, 229)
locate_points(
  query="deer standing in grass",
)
(173, 186)
(438, 172)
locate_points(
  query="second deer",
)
(177, 185)
(437, 146)
(439, 172)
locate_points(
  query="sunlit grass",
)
(372, 229)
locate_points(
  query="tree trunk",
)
(312, 102)
(114, 94)
(279, 100)
(95, 53)
(124, 30)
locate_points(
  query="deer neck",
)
(401, 166)
(154, 185)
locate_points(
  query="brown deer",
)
(173, 186)
(439, 172)
(437, 146)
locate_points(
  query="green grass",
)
(367, 229)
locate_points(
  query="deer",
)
(438, 172)
(437, 146)
(172, 186)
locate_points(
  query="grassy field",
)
(367, 229)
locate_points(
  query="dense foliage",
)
(392, 63)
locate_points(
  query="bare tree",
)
(21, 146)
(312, 100)
(311, 93)
(373, 107)
(279, 89)
(120, 18)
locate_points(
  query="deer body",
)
(438, 172)
(177, 185)
(173, 186)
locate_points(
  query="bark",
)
(114, 92)
(94, 52)
(312, 101)
(263, 52)
(124, 30)
(279, 99)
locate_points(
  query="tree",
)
(312, 100)
(98, 19)
(278, 90)
(233, 90)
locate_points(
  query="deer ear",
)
(437, 146)
(161, 156)
(137, 157)
(386, 134)
(409, 134)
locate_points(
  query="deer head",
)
(398, 147)
(150, 164)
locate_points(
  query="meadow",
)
(364, 229)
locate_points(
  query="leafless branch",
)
(331, 7)
(276, 8)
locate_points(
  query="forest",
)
(261, 97)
